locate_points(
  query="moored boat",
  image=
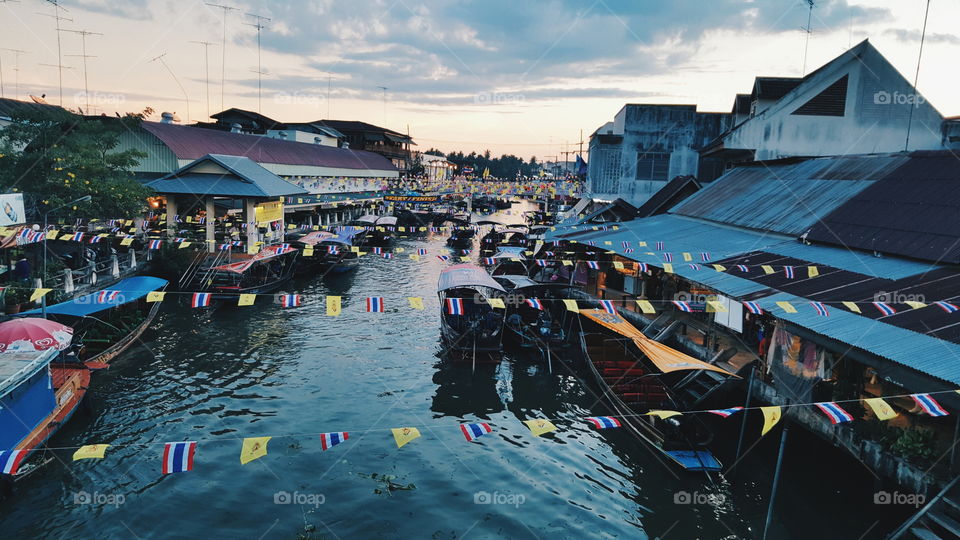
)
(468, 323)
(338, 253)
(266, 271)
(312, 255)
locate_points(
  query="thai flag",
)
(95, 240)
(705, 257)
(885, 308)
(387, 255)
(178, 240)
(236, 243)
(10, 461)
(455, 306)
(548, 253)
(201, 221)
(628, 250)
(465, 252)
(474, 431)
(608, 306)
(443, 257)
(284, 248)
(541, 262)
(200, 299)
(682, 306)
(112, 223)
(695, 267)
(821, 309)
(177, 219)
(115, 230)
(667, 257)
(591, 253)
(834, 412)
(224, 247)
(489, 260)
(556, 242)
(753, 307)
(626, 245)
(593, 264)
(377, 250)
(178, 456)
(78, 237)
(660, 246)
(24, 233)
(644, 267)
(788, 271)
(603, 422)
(421, 251)
(929, 405)
(743, 268)
(106, 296)
(333, 250)
(329, 440)
(534, 303)
(155, 244)
(374, 304)
(947, 306)
(591, 242)
(290, 300)
(726, 412)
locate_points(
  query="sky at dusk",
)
(519, 77)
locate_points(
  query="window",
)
(653, 165)
(605, 171)
(830, 102)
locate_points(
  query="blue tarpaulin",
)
(128, 290)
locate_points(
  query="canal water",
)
(216, 377)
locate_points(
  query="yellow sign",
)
(268, 212)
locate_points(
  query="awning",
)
(466, 275)
(315, 237)
(388, 221)
(665, 358)
(510, 253)
(368, 218)
(266, 253)
(128, 290)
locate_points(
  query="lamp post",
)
(43, 299)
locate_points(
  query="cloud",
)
(909, 36)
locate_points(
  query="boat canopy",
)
(315, 237)
(664, 357)
(265, 254)
(518, 282)
(509, 252)
(494, 223)
(466, 275)
(129, 290)
(513, 231)
(388, 221)
(345, 237)
(367, 218)
(16, 367)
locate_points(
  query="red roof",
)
(193, 143)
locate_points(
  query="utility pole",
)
(259, 26)
(16, 69)
(384, 88)
(206, 69)
(57, 18)
(223, 52)
(172, 74)
(83, 39)
(808, 30)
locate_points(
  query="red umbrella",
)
(34, 334)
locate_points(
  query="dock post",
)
(776, 480)
(743, 422)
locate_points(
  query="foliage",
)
(915, 444)
(54, 157)
(505, 166)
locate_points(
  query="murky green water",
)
(217, 377)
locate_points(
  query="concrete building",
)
(437, 168)
(645, 147)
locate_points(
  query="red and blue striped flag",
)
(106, 296)
(753, 307)
(885, 308)
(929, 405)
(726, 412)
(788, 271)
(455, 306)
(475, 431)
(200, 300)
(155, 244)
(947, 306)
(821, 309)
(834, 412)
(10, 461)
(329, 440)
(534, 303)
(374, 304)
(683, 306)
(603, 422)
(290, 300)
(178, 456)
(608, 306)
(593, 264)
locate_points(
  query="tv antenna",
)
(57, 18)
(223, 45)
(259, 26)
(808, 31)
(16, 70)
(206, 68)
(174, 75)
(83, 39)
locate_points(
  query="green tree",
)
(54, 156)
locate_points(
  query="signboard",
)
(412, 198)
(732, 318)
(11, 209)
(269, 212)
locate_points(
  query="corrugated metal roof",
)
(786, 197)
(246, 179)
(193, 143)
(11, 107)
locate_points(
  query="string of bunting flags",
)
(179, 456)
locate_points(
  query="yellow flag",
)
(404, 435)
(687, 257)
(182, 244)
(642, 244)
(663, 415)
(333, 306)
(38, 294)
(645, 306)
(567, 263)
(253, 448)
(127, 242)
(767, 269)
(355, 249)
(915, 305)
(771, 415)
(571, 305)
(465, 258)
(881, 408)
(189, 219)
(155, 296)
(787, 306)
(496, 303)
(812, 271)
(247, 299)
(715, 306)
(719, 268)
(52, 235)
(539, 427)
(415, 302)
(415, 257)
(308, 251)
(253, 249)
(90, 451)
(398, 250)
(618, 265)
(852, 307)
(607, 243)
(668, 268)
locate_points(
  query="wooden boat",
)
(461, 237)
(529, 327)
(380, 229)
(636, 375)
(107, 322)
(313, 257)
(38, 395)
(338, 253)
(468, 323)
(510, 261)
(265, 272)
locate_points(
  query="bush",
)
(915, 444)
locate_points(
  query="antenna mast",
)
(206, 68)
(83, 38)
(916, 79)
(172, 74)
(223, 52)
(808, 30)
(57, 18)
(259, 26)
